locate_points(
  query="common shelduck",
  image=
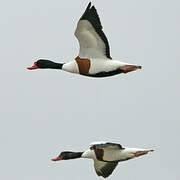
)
(94, 55)
(106, 156)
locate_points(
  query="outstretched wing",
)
(104, 169)
(92, 40)
(105, 145)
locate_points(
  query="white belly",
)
(116, 155)
(112, 155)
(101, 65)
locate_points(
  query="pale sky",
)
(45, 112)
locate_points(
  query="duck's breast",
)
(89, 154)
(71, 66)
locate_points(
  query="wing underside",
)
(92, 40)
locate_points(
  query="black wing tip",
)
(89, 6)
(88, 9)
(92, 16)
(99, 173)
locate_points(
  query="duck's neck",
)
(72, 155)
(47, 64)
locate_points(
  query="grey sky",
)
(47, 111)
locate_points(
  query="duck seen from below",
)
(94, 58)
(106, 156)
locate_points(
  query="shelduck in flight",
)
(106, 156)
(94, 58)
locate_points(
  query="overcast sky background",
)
(45, 112)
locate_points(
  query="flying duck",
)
(106, 156)
(94, 58)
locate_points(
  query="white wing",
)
(92, 40)
(104, 169)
